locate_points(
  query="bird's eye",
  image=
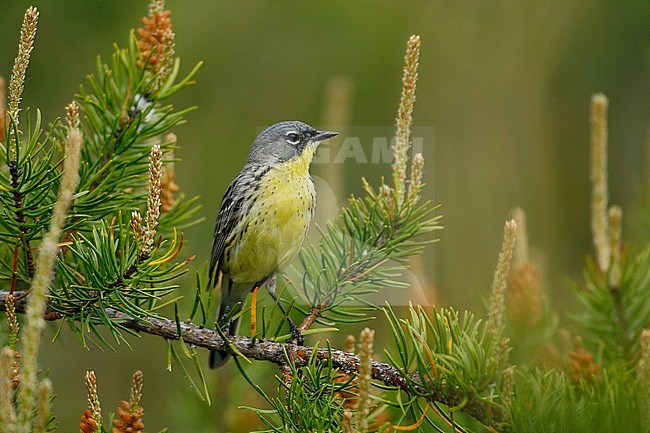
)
(293, 138)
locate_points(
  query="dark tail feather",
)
(231, 303)
(218, 358)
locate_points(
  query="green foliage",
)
(121, 115)
(445, 356)
(444, 347)
(453, 376)
(100, 265)
(613, 317)
(103, 271)
(363, 251)
(28, 190)
(547, 401)
(529, 337)
(309, 398)
(601, 386)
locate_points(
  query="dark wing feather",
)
(232, 205)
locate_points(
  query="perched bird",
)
(264, 217)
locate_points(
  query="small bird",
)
(264, 217)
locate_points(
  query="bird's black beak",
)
(323, 135)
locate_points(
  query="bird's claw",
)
(296, 336)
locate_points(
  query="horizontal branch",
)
(272, 351)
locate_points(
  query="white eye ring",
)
(293, 137)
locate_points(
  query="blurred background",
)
(502, 116)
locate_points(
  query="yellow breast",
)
(277, 223)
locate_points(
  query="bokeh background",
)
(503, 100)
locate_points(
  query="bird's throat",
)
(299, 165)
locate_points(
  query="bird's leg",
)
(271, 285)
(225, 321)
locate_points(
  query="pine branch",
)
(20, 219)
(277, 353)
(49, 249)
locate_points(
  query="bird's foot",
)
(224, 321)
(296, 335)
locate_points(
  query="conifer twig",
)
(136, 388)
(153, 200)
(405, 117)
(615, 217)
(365, 363)
(12, 322)
(48, 251)
(415, 184)
(17, 82)
(156, 6)
(88, 423)
(271, 351)
(128, 417)
(93, 396)
(145, 233)
(43, 409)
(16, 87)
(7, 409)
(157, 42)
(599, 194)
(616, 244)
(497, 300)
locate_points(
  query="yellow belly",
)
(275, 228)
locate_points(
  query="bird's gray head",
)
(286, 140)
